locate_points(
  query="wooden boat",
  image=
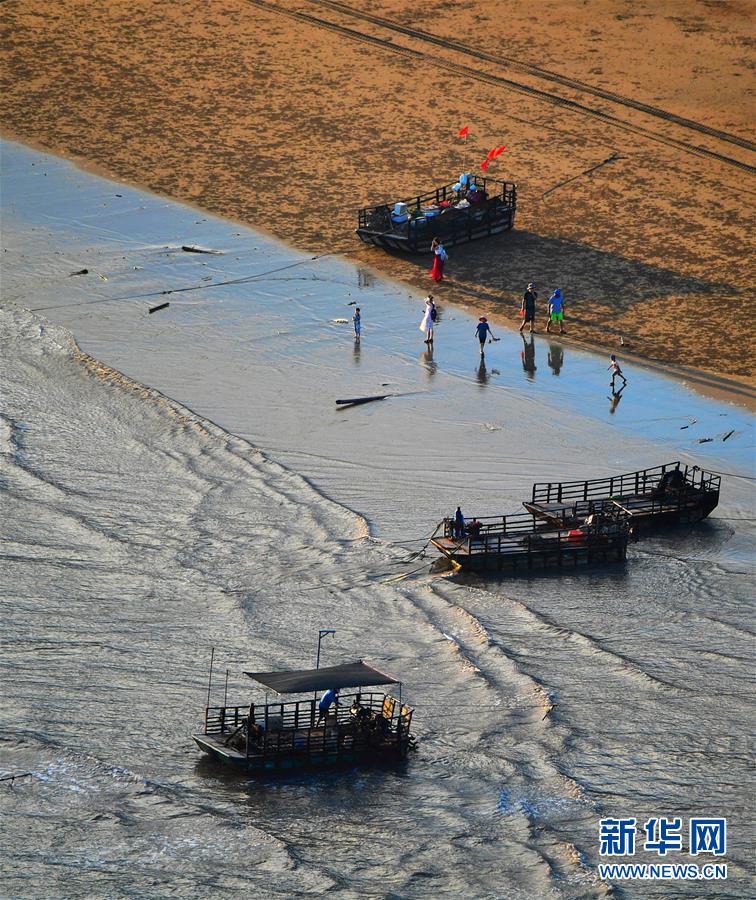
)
(671, 494)
(410, 225)
(521, 542)
(365, 727)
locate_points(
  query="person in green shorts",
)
(556, 310)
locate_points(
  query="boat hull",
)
(287, 761)
(401, 243)
(613, 550)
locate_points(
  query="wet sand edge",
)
(718, 387)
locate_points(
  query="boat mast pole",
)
(321, 634)
(210, 677)
(225, 691)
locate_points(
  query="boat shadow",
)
(505, 264)
(616, 571)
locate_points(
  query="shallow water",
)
(136, 538)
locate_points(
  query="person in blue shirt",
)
(483, 330)
(458, 526)
(330, 698)
(556, 310)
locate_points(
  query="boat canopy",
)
(348, 675)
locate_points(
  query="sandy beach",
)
(290, 116)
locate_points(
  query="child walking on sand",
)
(357, 321)
(556, 311)
(616, 372)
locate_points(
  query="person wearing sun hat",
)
(528, 307)
(483, 330)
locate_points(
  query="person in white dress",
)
(429, 319)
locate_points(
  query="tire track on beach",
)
(537, 71)
(501, 81)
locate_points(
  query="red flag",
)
(499, 150)
(484, 165)
(463, 132)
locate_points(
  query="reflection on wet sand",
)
(483, 376)
(426, 360)
(356, 351)
(615, 398)
(527, 355)
(556, 358)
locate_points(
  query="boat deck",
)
(637, 506)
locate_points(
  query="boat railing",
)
(644, 481)
(503, 191)
(301, 717)
(523, 532)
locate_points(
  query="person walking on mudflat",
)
(483, 331)
(528, 307)
(616, 372)
(556, 311)
(429, 319)
(439, 258)
(357, 320)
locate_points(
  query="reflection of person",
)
(527, 356)
(439, 258)
(482, 370)
(357, 321)
(616, 372)
(615, 398)
(556, 358)
(556, 310)
(426, 358)
(483, 331)
(429, 319)
(459, 523)
(528, 307)
(330, 698)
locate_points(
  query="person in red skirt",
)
(439, 258)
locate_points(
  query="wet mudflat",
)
(138, 538)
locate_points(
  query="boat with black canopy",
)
(365, 726)
(522, 541)
(671, 494)
(474, 207)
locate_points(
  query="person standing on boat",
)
(439, 258)
(430, 314)
(458, 527)
(528, 307)
(483, 331)
(357, 320)
(329, 699)
(556, 310)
